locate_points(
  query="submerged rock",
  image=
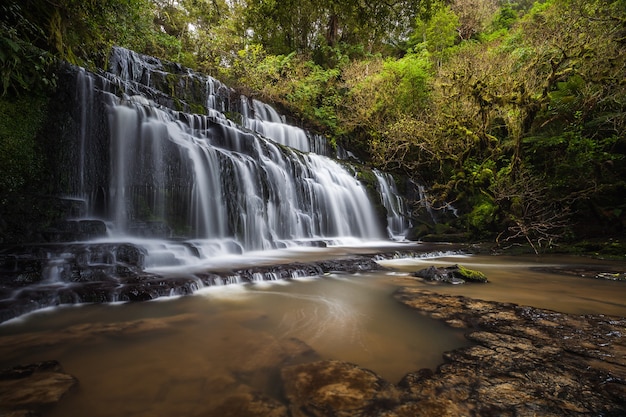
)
(335, 388)
(26, 390)
(250, 404)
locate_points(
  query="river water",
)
(194, 355)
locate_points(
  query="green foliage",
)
(407, 79)
(315, 95)
(438, 33)
(82, 32)
(573, 160)
(392, 89)
(482, 217)
(25, 68)
(310, 27)
(505, 18)
(21, 119)
(502, 110)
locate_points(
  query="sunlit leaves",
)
(438, 33)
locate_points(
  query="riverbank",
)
(522, 361)
(605, 248)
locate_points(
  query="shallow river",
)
(188, 356)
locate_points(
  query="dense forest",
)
(512, 112)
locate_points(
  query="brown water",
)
(189, 356)
(517, 279)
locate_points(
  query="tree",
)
(474, 16)
(385, 100)
(310, 27)
(438, 33)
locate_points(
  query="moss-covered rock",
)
(455, 274)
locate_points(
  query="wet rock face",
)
(38, 276)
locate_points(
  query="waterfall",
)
(166, 181)
(265, 120)
(397, 223)
(213, 184)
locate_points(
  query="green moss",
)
(368, 178)
(470, 274)
(197, 108)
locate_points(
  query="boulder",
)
(455, 274)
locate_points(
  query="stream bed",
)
(196, 355)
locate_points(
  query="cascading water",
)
(397, 223)
(220, 185)
(265, 120)
(167, 191)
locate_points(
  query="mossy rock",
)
(469, 275)
(455, 274)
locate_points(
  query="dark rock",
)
(130, 254)
(75, 230)
(150, 229)
(26, 390)
(435, 274)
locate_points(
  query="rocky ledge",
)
(46, 275)
(522, 361)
